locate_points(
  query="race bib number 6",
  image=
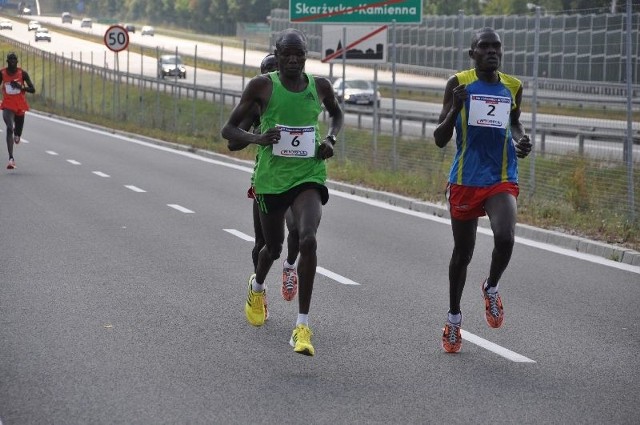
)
(489, 111)
(296, 142)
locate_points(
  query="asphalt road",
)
(124, 270)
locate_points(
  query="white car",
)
(6, 25)
(86, 23)
(147, 30)
(33, 25)
(43, 34)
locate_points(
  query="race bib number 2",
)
(489, 111)
(296, 142)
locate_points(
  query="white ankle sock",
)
(288, 266)
(303, 319)
(257, 287)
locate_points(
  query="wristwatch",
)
(332, 139)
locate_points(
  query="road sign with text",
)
(355, 11)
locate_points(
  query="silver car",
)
(171, 66)
(358, 92)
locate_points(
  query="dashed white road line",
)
(100, 174)
(181, 208)
(135, 188)
(495, 348)
(241, 235)
(52, 153)
(73, 161)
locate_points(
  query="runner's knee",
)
(308, 244)
(274, 251)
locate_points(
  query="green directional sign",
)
(355, 11)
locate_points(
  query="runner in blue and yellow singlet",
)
(291, 170)
(483, 105)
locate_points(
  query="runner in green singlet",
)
(289, 287)
(291, 171)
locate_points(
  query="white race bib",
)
(10, 90)
(489, 111)
(296, 142)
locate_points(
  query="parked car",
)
(147, 30)
(358, 92)
(86, 23)
(171, 66)
(6, 25)
(33, 25)
(67, 18)
(43, 34)
(130, 28)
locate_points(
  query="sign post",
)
(363, 12)
(116, 38)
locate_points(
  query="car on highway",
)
(86, 23)
(6, 25)
(358, 92)
(26, 10)
(147, 30)
(67, 18)
(43, 34)
(33, 25)
(171, 66)
(130, 28)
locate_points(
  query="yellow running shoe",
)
(254, 307)
(301, 340)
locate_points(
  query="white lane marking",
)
(321, 270)
(73, 161)
(181, 208)
(249, 169)
(52, 153)
(495, 348)
(135, 188)
(241, 235)
(338, 278)
(100, 174)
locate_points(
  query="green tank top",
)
(276, 174)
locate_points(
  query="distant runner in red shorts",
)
(15, 83)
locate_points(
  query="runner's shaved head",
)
(291, 36)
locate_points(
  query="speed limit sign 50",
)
(116, 38)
